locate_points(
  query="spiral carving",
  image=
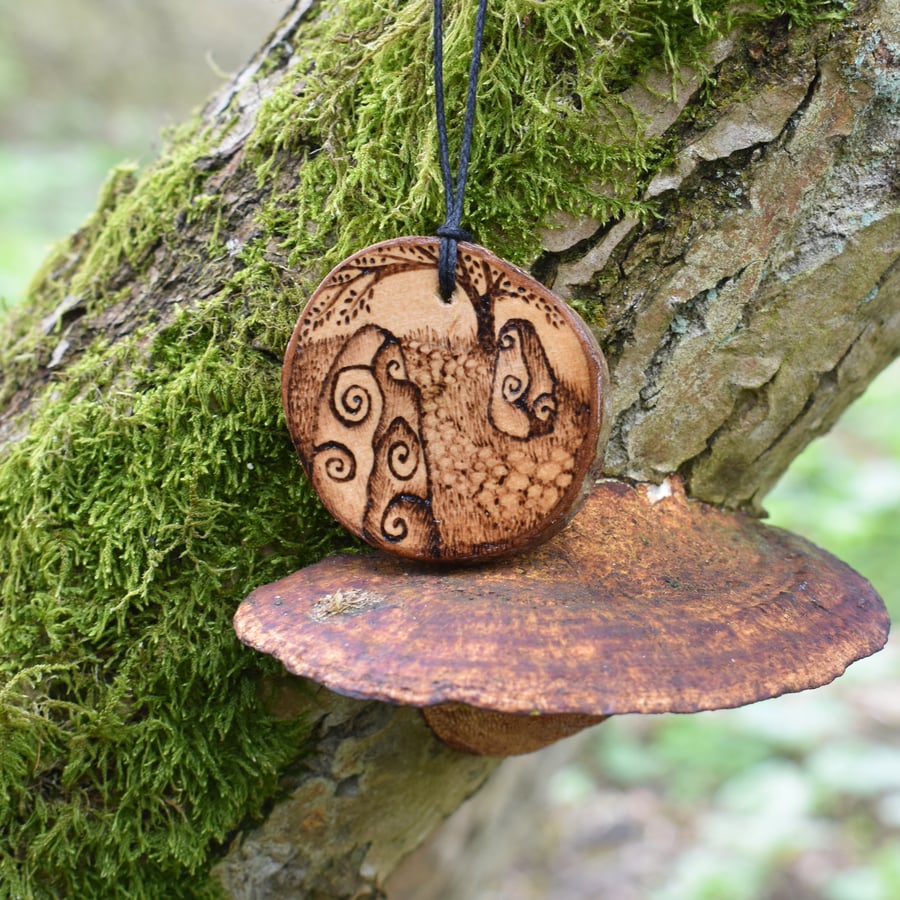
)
(394, 527)
(544, 407)
(403, 450)
(396, 369)
(338, 462)
(403, 460)
(352, 395)
(509, 337)
(523, 398)
(513, 388)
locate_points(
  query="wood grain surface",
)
(436, 430)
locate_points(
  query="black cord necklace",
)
(451, 232)
(445, 405)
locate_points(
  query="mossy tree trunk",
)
(714, 190)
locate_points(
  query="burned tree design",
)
(348, 292)
(443, 430)
(523, 392)
(368, 450)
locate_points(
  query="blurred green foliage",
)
(86, 85)
(46, 192)
(843, 492)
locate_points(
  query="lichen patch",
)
(350, 602)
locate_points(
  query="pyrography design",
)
(368, 432)
(439, 430)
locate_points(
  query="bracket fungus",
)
(647, 602)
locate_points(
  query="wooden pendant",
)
(444, 430)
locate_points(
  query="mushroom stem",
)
(487, 733)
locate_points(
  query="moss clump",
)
(552, 132)
(549, 127)
(133, 740)
(155, 484)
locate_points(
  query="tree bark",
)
(739, 319)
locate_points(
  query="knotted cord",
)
(451, 231)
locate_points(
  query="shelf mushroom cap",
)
(647, 602)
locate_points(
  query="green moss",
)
(132, 227)
(549, 129)
(132, 521)
(156, 484)
(134, 215)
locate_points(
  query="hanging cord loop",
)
(451, 231)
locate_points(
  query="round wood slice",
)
(444, 430)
